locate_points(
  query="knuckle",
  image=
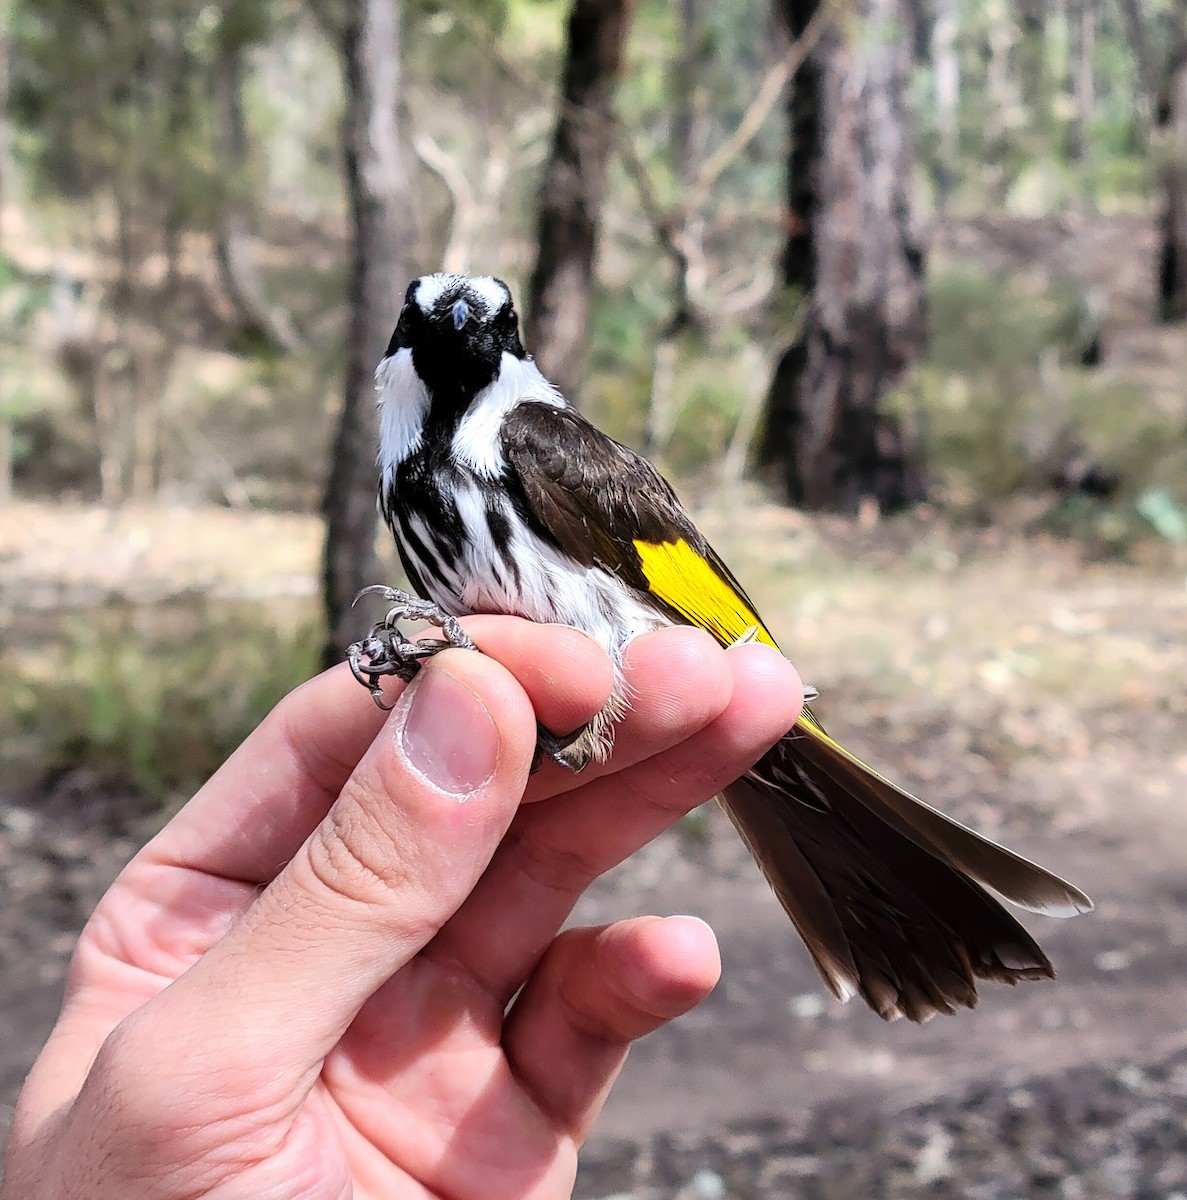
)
(552, 867)
(352, 857)
(364, 876)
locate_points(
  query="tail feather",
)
(1019, 880)
(888, 907)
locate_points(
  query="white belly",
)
(547, 587)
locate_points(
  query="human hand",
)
(300, 987)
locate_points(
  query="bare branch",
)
(449, 171)
(760, 107)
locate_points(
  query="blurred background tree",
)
(369, 36)
(728, 224)
(854, 256)
(687, 196)
(572, 190)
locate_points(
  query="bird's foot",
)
(386, 651)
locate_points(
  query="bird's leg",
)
(563, 750)
(386, 651)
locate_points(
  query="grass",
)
(1006, 409)
(152, 700)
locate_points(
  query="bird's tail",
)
(889, 894)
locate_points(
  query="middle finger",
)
(554, 850)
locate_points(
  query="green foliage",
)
(1167, 517)
(1016, 112)
(623, 327)
(119, 98)
(711, 384)
(1004, 410)
(154, 701)
(21, 298)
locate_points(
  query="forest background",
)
(895, 289)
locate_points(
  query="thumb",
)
(402, 847)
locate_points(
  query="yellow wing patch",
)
(688, 582)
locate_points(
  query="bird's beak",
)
(461, 314)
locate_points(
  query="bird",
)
(503, 498)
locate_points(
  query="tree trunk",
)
(1081, 17)
(1172, 131)
(853, 245)
(233, 238)
(6, 432)
(783, 417)
(688, 149)
(1137, 33)
(560, 291)
(5, 136)
(382, 228)
(946, 75)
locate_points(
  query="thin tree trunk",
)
(688, 147)
(1137, 33)
(234, 250)
(946, 75)
(1172, 131)
(381, 213)
(853, 237)
(1081, 18)
(782, 420)
(1004, 98)
(6, 433)
(560, 292)
(5, 136)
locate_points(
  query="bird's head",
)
(457, 328)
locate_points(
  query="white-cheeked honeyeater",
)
(504, 499)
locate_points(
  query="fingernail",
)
(448, 734)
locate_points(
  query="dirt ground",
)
(1029, 692)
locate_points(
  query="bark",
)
(6, 433)
(1172, 130)
(560, 292)
(782, 420)
(686, 239)
(5, 136)
(1030, 53)
(853, 246)
(382, 233)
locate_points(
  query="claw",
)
(386, 651)
(388, 593)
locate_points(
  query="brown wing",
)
(606, 505)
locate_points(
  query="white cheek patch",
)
(403, 407)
